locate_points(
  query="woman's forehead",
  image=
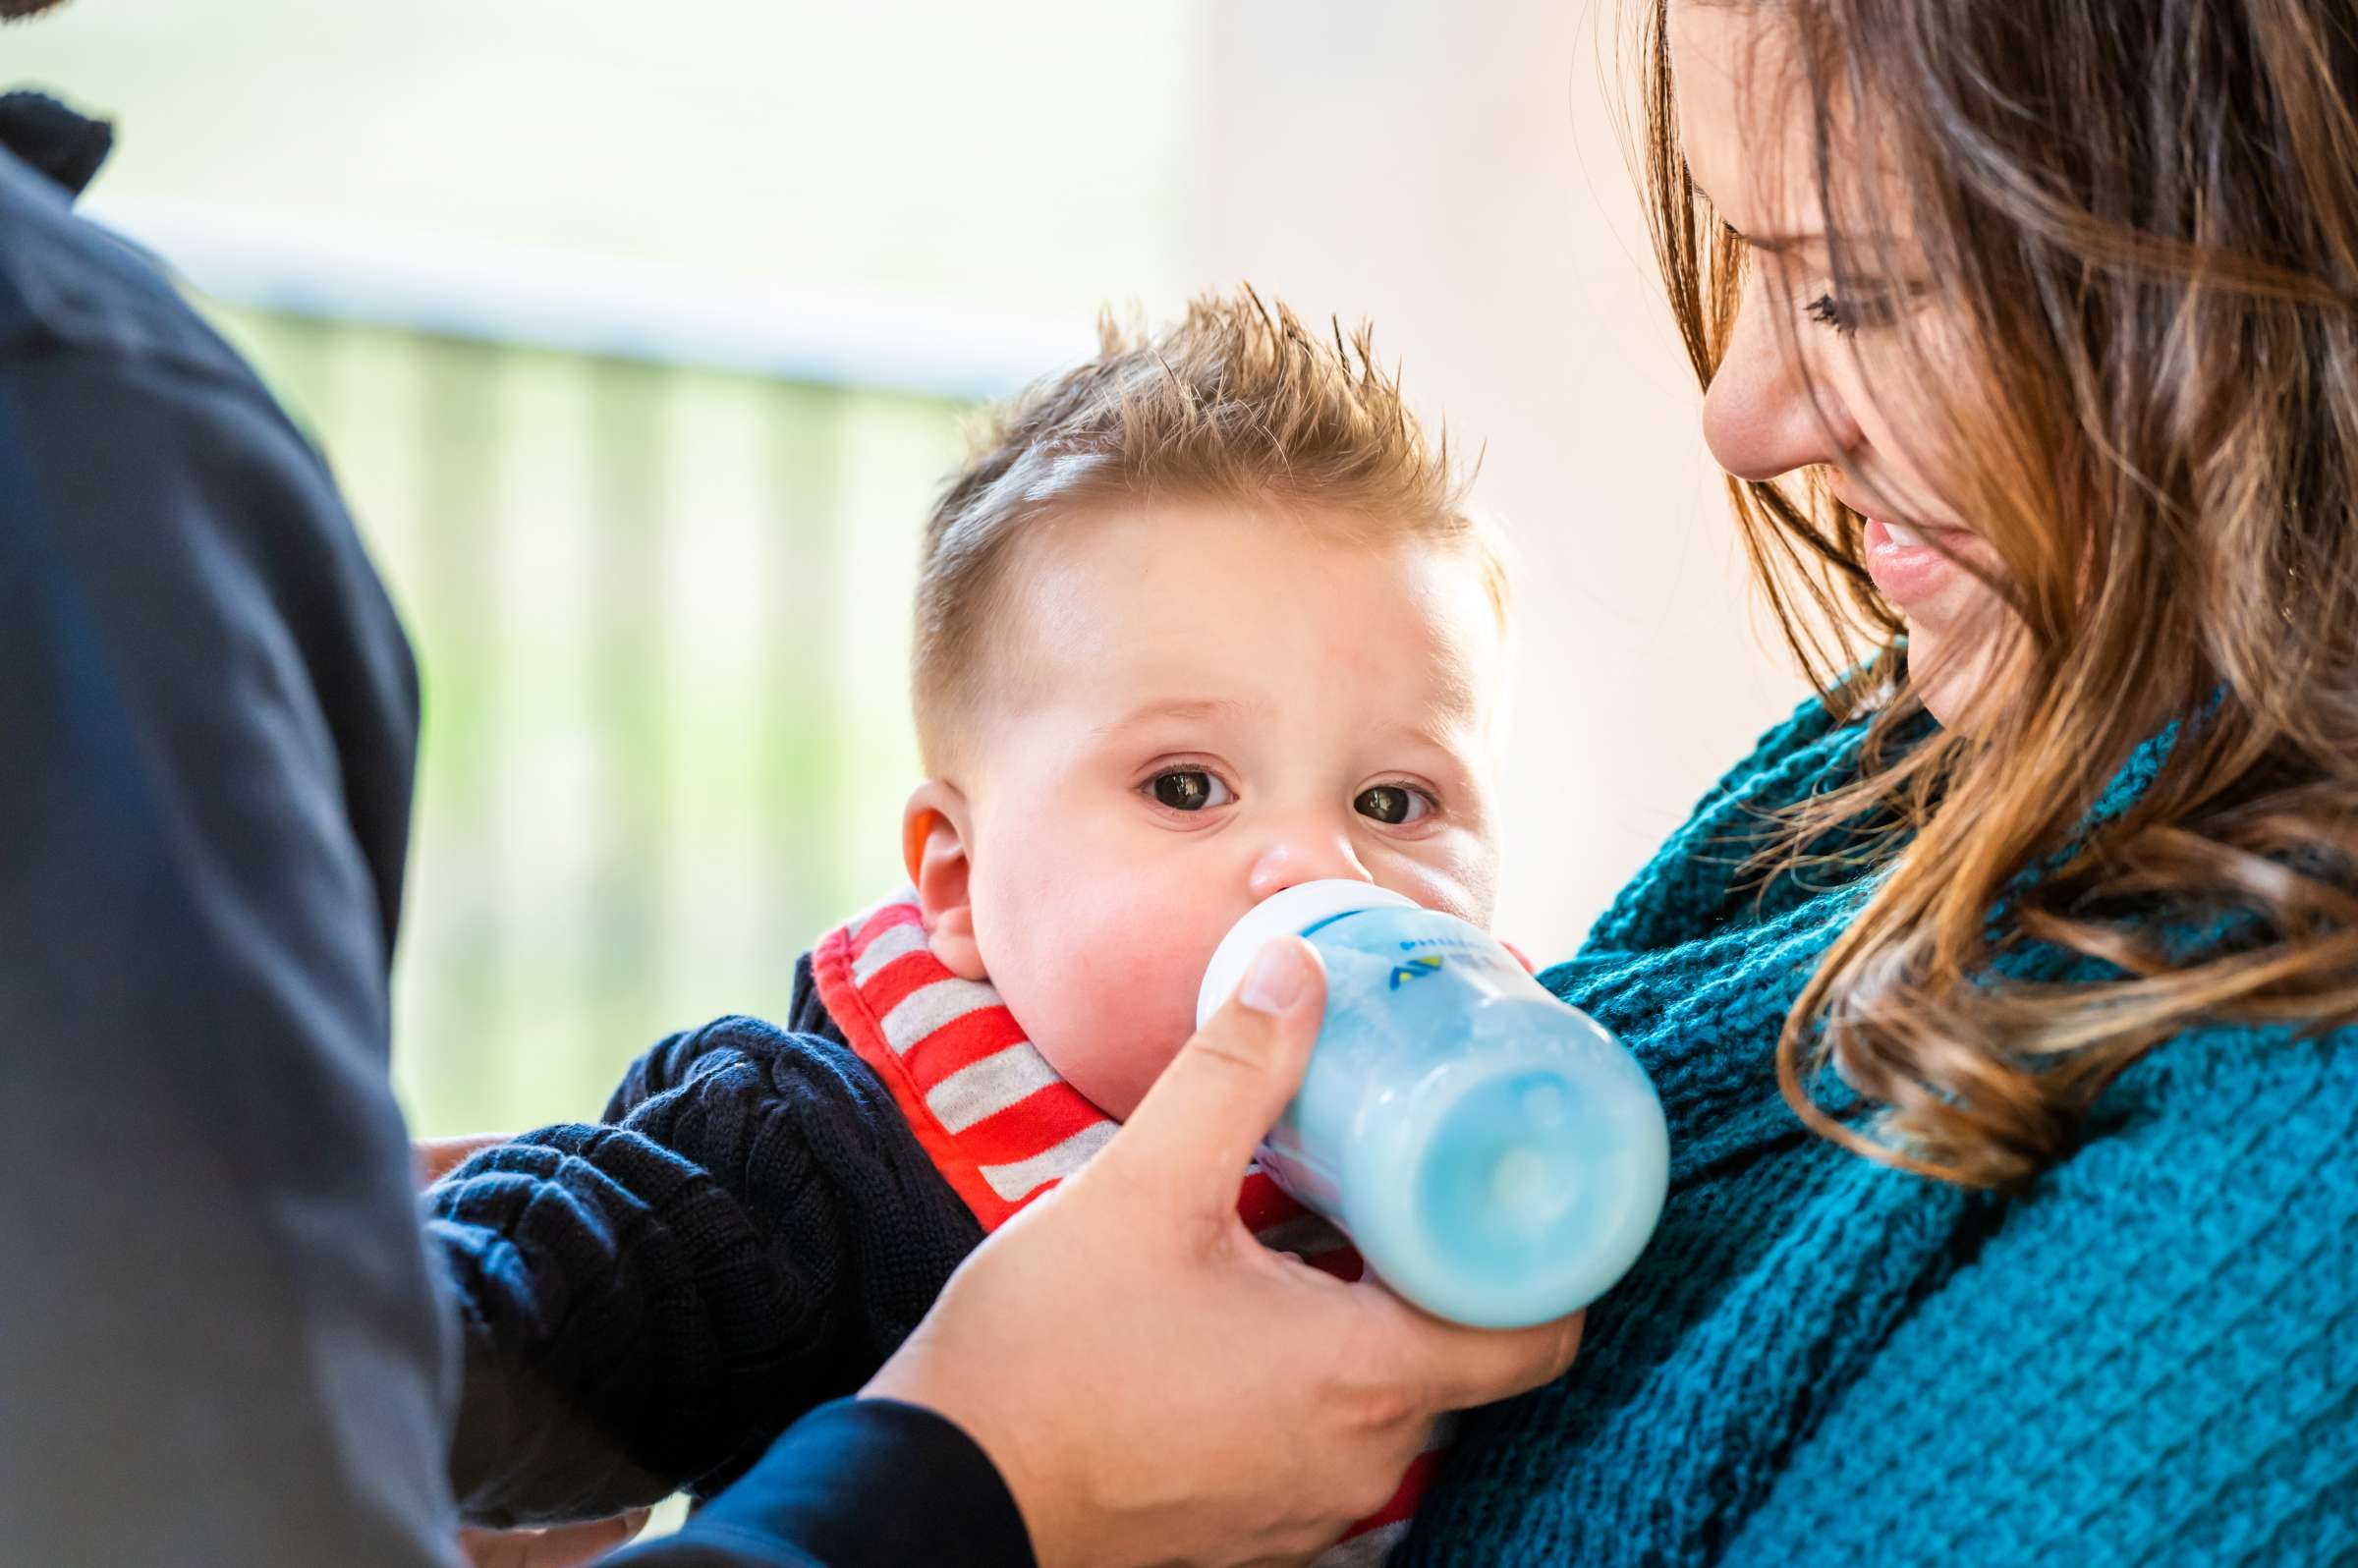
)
(1747, 128)
(1743, 120)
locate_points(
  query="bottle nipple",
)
(1529, 1182)
(1525, 1189)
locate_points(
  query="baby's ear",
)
(933, 847)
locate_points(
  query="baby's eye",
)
(1393, 805)
(1190, 789)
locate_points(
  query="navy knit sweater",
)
(648, 1302)
(2151, 1356)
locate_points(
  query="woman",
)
(2003, 1006)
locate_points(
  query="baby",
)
(1202, 619)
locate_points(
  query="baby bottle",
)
(1496, 1157)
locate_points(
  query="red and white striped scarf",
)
(1002, 1127)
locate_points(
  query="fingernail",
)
(1275, 980)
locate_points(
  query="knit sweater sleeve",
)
(2151, 1358)
(647, 1302)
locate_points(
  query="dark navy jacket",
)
(221, 1339)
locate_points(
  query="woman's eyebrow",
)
(1776, 242)
(1815, 239)
(1773, 242)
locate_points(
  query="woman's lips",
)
(1911, 564)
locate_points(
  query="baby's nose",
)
(1303, 854)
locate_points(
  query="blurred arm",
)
(219, 1338)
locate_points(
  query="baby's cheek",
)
(1459, 881)
(1118, 1024)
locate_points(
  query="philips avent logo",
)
(1415, 968)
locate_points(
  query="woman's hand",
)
(1154, 1384)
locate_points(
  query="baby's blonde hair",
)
(1237, 402)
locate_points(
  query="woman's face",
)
(1793, 391)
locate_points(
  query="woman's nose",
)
(1763, 414)
(1304, 852)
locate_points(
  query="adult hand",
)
(432, 1158)
(1155, 1385)
(559, 1546)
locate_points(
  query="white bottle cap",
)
(1288, 913)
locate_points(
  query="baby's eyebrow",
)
(1444, 736)
(1199, 709)
(1448, 747)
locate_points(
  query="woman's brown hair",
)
(2145, 217)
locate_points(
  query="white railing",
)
(607, 307)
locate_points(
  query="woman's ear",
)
(935, 849)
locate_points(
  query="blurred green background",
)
(656, 611)
(495, 258)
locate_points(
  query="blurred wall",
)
(1457, 174)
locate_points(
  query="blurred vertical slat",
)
(546, 790)
(894, 453)
(458, 936)
(728, 669)
(803, 779)
(628, 948)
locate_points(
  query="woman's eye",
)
(1392, 805)
(1855, 309)
(1190, 789)
(1827, 311)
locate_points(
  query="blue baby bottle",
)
(1498, 1157)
